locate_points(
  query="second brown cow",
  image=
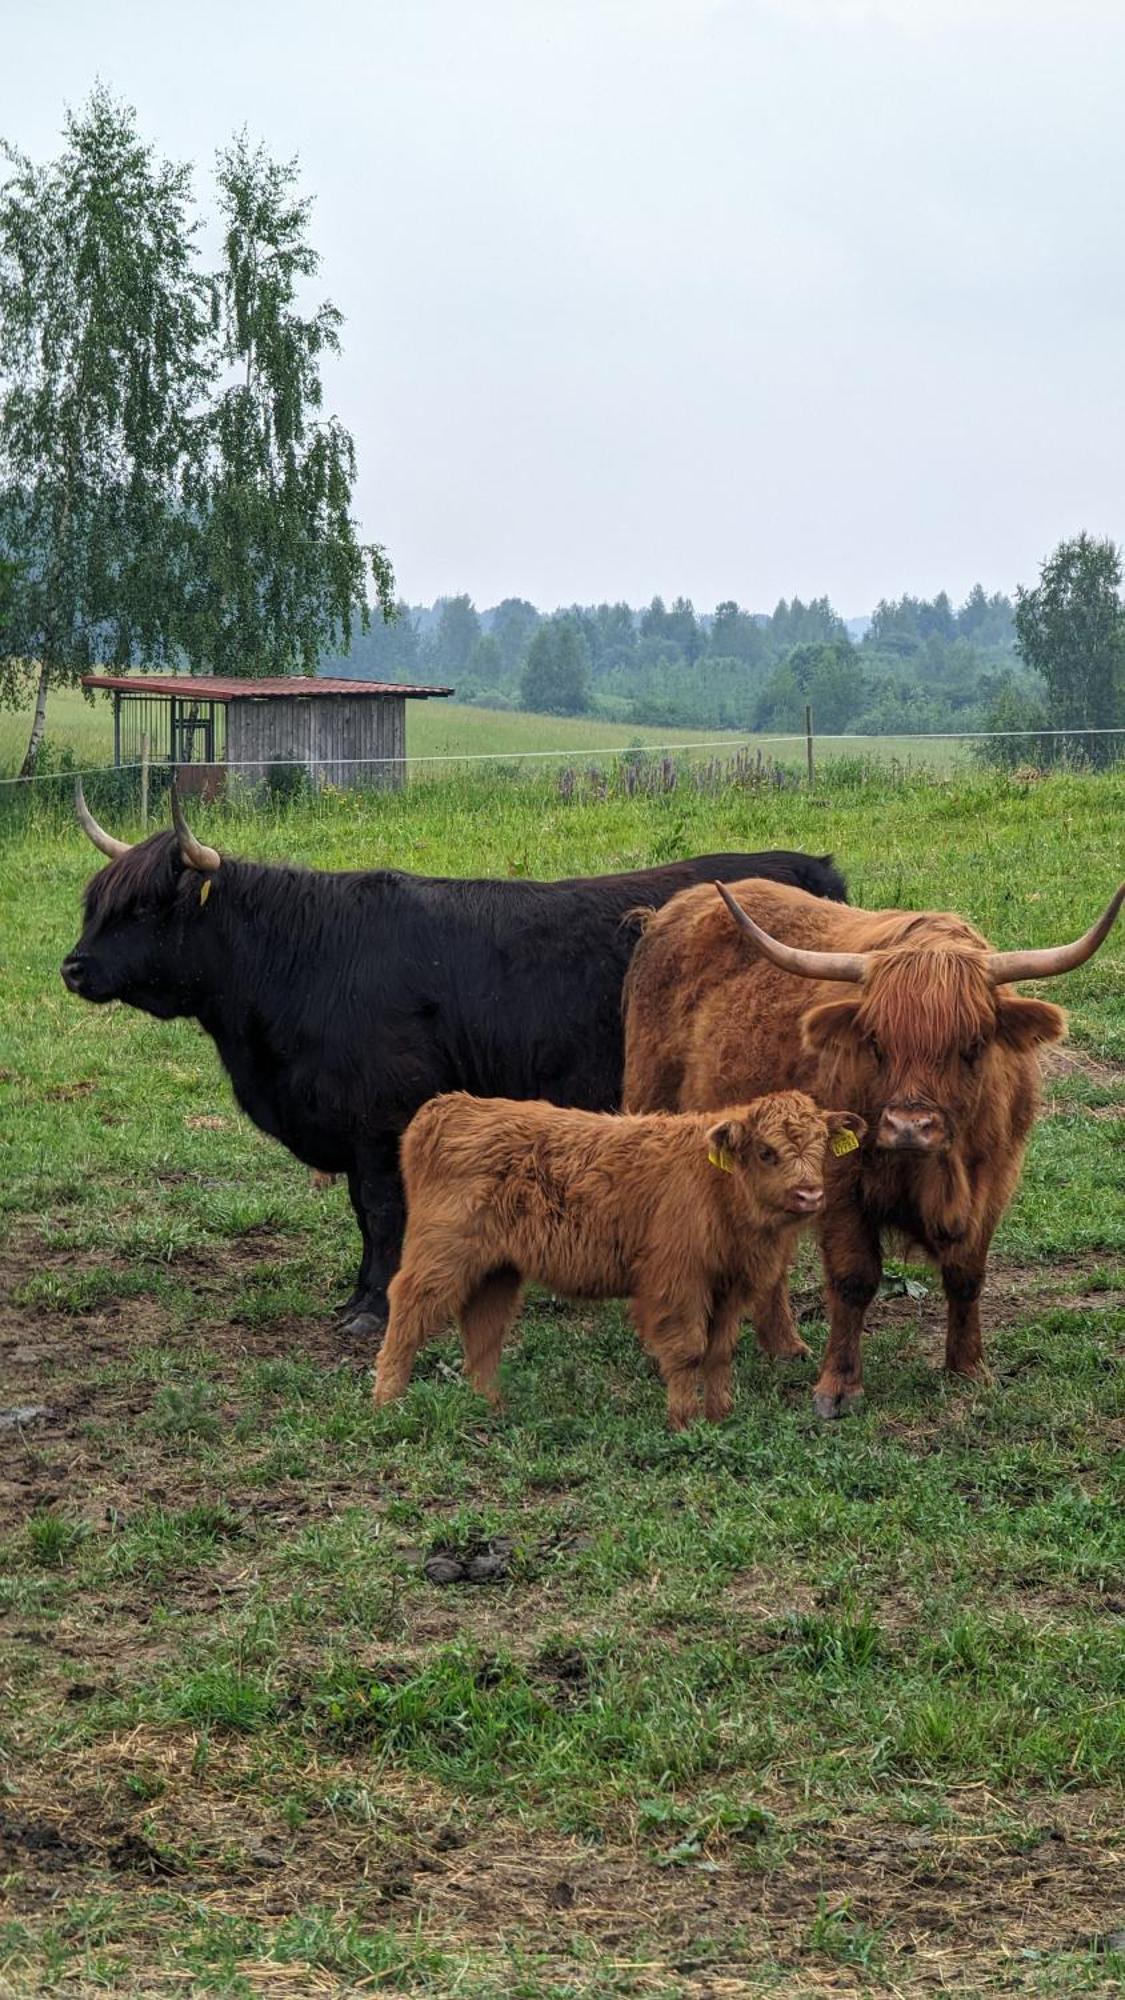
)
(692, 1218)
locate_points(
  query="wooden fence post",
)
(144, 780)
(808, 742)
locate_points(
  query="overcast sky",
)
(734, 300)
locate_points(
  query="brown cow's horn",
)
(792, 958)
(103, 841)
(1004, 967)
(194, 853)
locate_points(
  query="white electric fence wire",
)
(578, 753)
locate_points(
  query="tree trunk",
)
(31, 754)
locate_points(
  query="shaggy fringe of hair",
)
(924, 1000)
(146, 874)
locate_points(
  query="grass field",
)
(83, 730)
(767, 1708)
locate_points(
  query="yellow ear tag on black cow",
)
(205, 892)
(843, 1142)
(719, 1157)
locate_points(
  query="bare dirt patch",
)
(979, 1891)
(1014, 1291)
(1065, 1061)
(81, 1366)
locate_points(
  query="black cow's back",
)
(816, 873)
(510, 988)
(352, 998)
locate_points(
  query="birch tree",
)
(102, 365)
(279, 573)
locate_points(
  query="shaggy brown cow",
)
(931, 1046)
(693, 1219)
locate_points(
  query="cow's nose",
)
(902, 1128)
(71, 972)
(805, 1200)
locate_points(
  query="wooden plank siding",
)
(341, 740)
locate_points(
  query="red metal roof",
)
(283, 688)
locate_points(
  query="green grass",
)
(768, 1708)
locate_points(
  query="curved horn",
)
(102, 840)
(1007, 966)
(193, 851)
(792, 958)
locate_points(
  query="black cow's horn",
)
(1004, 967)
(194, 853)
(792, 958)
(103, 841)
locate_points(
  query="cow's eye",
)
(972, 1055)
(767, 1156)
(876, 1048)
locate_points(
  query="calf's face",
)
(779, 1143)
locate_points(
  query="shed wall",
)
(353, 735)
(340, 740)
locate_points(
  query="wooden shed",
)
(340, 732)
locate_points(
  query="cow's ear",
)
(725, 1138)
(832, 1021)
(1023, 1024)
(845, 1121)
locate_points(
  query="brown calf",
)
(693, 1219)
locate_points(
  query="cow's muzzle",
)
(805, 1200)
(909, 1128)
(74, 973)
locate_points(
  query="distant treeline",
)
(917, 664)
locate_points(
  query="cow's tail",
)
(830, 884)
(641, 915)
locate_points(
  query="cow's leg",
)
(716, 1370)
(676, 1337)
(775, 1324)
(359, 1290)
(375, 1186)
(853, 1266)
(486, 1320)
(422, 1305)
(962, 1277)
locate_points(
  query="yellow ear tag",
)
(843, 1142)
(205, 892)
(719, 1157)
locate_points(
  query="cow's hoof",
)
(798, 1351)
(363, 1325)
(831, 1404)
